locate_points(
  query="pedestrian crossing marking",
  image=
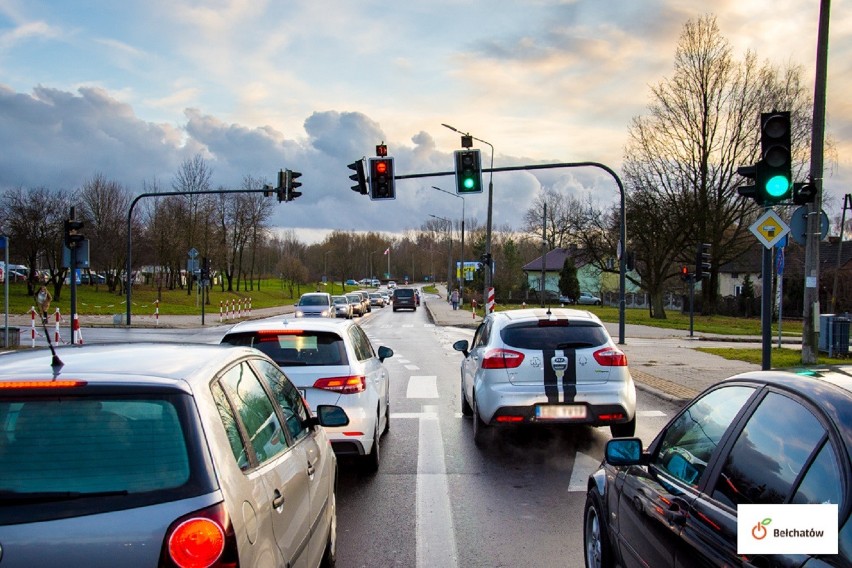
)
(422, 386)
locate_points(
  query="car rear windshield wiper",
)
(18, 497)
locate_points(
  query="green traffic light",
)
(777, 186)
(468, 183)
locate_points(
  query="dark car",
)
(403, 299)
(761, 438)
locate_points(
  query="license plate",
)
(560, 412)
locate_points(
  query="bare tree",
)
(564, 218)
(105, 204)
(681, 159)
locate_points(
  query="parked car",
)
(314, 305)
(357, 303)
(376, 299)
(162, 455)
(587, 299)
(403, 299)
(332, 362)
(341, 307)
(545, 366)
(758, 438)
(351, 282)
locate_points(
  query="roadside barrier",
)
(157, 312)
(489, 306)
(77, 338)
(234, 309)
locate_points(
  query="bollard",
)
(77, 338)
(32, 327)
(220, 311)
(56, 337)
(157, 312)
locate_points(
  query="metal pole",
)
(461, 266)
(847, 204)
(73, 256)
(543, 255)
(810, 331)
(5, 290)
(766, 310)
(691, 302)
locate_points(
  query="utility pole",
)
(810, 328)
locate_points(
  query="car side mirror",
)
(462, 345)
(331, 416)
(385, 352)
(624, 451)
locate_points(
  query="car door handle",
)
(676, 516)
(277, 500)
(311, 470)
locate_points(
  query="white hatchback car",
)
(545, 366)
(332, 362)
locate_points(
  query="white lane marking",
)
(584, 465)
(650, 413)
(402, 361)
(412, 367)
(436, 542)
(418, 415)
(425, 386)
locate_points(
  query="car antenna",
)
(56, 364)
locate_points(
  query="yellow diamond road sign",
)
(769, 228)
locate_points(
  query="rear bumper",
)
(605, 403)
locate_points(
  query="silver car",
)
(332, 362)
(314, 305)
(545, 366)
(341, 307)
(161, 455)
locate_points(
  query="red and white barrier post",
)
(77, 338)
(32, 327)
(220, 311)
(57, 317)
(489, 306)
(157, 312)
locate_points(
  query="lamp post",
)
(461, 269)
(325, 264)
(488, 219)
(449, 253)
(372, 275)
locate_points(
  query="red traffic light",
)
(381, 167)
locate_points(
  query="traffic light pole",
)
(128, 266)
(622, 261)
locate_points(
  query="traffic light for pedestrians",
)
(468, 171)
(702, 261)
(381, 178)
(292, 184)
(804, 193)
(72, 233)
(774, 172)
(358, 177)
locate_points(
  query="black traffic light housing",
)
(774, 171)
(72, 233)
(281, 190)
(468, 171)
(382, 178)
(750, 191)
(684, 273)
(291, 184)
(359, 177)
(702, 261)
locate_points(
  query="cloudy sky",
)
(131, 89)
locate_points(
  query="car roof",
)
(534, 314)
(126, 363)
(314, 294)
(828, 389)
(280, 323)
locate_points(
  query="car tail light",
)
(611, 417)
(352, 384)
(610, 357)
(502, 359)
(509, 418)
(201, 539)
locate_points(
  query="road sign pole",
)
(766, 309)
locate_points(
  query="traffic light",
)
(292, 184)
(750, 191)
(381, 179)
(468, 171)
(774, 171)
(485, 259)
(804, 193)
(684, 273)
(702, 261)
(72, 233)
(281, 190)
(267, 190)
(205, 269)
(358, 177)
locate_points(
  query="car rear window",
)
(403, 293)
(91, 445)
(295, 347)
(561, 334)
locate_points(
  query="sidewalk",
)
(663, 361)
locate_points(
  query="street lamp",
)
(372, 275)
(461, 273)
(325, 264)
(488, 219)
(449, 253)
